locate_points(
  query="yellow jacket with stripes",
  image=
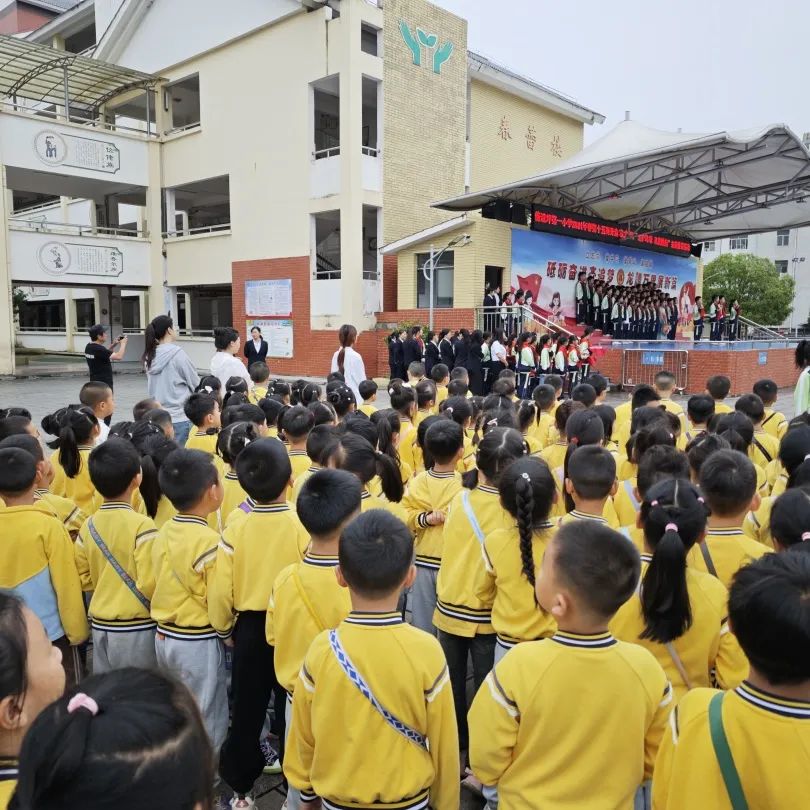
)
(764, 449)
(406, 672)
(200, 440)
(68, 513)
(728, 550)
(775, 423)
(233, 493)
(300, 462)
(299, 482)
(757, 525)
(78, 489)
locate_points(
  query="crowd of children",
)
(311, 582)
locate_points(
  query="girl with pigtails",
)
(231, 441)
(679, 613)
(512, 556)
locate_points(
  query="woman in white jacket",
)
(349, 362)
(224, 363)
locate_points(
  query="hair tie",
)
(806, 536)
(653, 503)
(807, 456)
(495, 422)
(449, 409)
(391, 391)
(574, 440)
(82, 701)
(208, 389)
(700, 499)
(526, 476)
(671, 527)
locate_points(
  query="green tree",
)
(18, 297)
(765, 294)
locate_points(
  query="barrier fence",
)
(640, 366)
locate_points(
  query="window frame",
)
(446, 263)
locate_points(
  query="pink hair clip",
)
(671, 527)
(653, 503)
(806, 536)
(700, 499)
(82, 701)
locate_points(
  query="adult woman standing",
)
(801, 396)
(256, 348)
(170, 375)
(432, 355)
(395, 353)
(224, 364)
(462, 350)
(475, 363)
(349, 362)
(497, 353)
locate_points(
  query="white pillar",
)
(7, 335)
(70, 321)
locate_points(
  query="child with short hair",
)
(140, 409)
(554, 454)
(319, 443)
(584, 393)
(699, 410)
(556, 382)
(368, 391)
(544, 428)
(718, 739)
(114, 560)
(774, 422)
(440, 374)
(590, 480)
(36, 559)
(717, 388)
(161, 418)
(728, 481)
(202, 410)
(407, 753)
(600, 385)
(523, 738)
(426, 393)
(251, 554)
(98, 396)
(183, 556)
(426, 502)
(416, 372)
(296, 424)
(664, 385)
(260, 374)
(764, 447)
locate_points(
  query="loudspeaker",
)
(519, 214)
(697, 249)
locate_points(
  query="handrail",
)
(225, 226)
(176, 130)
(45, 226)
(524, 315)
(320, 154)
(39, 206)
(371, 151)
(756, 327)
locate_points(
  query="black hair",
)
(96, 331)
(544, 396)
(770, 614)
(608, 416)
(18, 470)
(728, 481)
(13, 426)
(673, 515)
(457, 388)
(766, 390)
(460, 373)
(264, 470)
(5, 413)
(443, 440)
(375, 553)
(654, 435)
(13, 649)
(421, 431)
(737, 429)
(234, 438)
(142, 407)
(439, 372)
(564, 412)
(323, 413)
(155, 332)
(459, 409)
(659, 463)
(584, 393)
(209, 384)
(93, 393)
(198, 406)
(327, 500)
(493, 402)
(281, 388)
(718, 386)
(425, 393)
(526, 414)
(403, 398)
(159, 418)
(113, 465)
(367, 388)
(665, 379)
(643, 395)
(417, 369)
(236, 392)
(592, 471)
(153, 451)
(341, 399)
(319, 444)
(354, 454)
(335, 375)
(802, 353)
(271, 408)
(752, 406)
(495, 452)
(388, 425)
(790, 519)
(247, 412)
(297, 422)
(27, 442)
(793, 450)
(73, 427)
(700, 408)
(598, 383)
(701, 447)
(146, 747)
(122, 430)
(583, 427)
(555, 381)
(224, 336)
(361, 425)
(504, 386)
(259, 371)
(598, 563)
(185, 476)
(527, 492)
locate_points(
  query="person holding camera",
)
(99, 357)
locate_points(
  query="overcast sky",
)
(702, 65)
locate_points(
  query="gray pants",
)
(423, 599)
(293, 794)
(114, 650)
(500, 651)
(200, 665)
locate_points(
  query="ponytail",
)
(72, 427)
(341, 399)
(496, 451)
(347, 334)
(153, 451)
(353, 453)
(155, 332)
(233, 439)
(524, 501)
(388, 426)
(390, 477)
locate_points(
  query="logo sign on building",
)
(271, 297)
(63, 149)
(416, 39)
(763, 358)
(652, 358)
(70, 259)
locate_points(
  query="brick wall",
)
(390, 274)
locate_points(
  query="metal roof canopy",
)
(698, 186)
(49, 76)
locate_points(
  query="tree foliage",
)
(766, 295)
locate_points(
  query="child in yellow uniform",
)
(464, 621)
(789, 520)
(525, 732)
(664, 386)
(722, 738)
(76, 431)
(260, 374)
(425, 401)
(250, 556)
(183, 556)
(774, 422)
(678, 613)
(511, 556)
(764, 447)
(626, 420)
(231, 441)
(728, 482)
(554, 454)
(36, 559)
(440, 375)
(544, 429)
(306, 597)
(202, 410)
(527, 416)
(460, 410)
(31, 677)
(403, 401)
(296, 424)
(98, 396)
(589, 483)
(114, 559)
(426, 502)
(699, 410)
(368, 391)
(717, 388)
(319, 443)
(156, 505)
(388, 437)
(387, 680)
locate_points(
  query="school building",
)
(268, 161)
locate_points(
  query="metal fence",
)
(641, 365)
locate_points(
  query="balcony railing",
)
(221, 228)
(71, 229)
(76, 118)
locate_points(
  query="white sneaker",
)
(242, 803)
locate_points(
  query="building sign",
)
(652, 358)
(63, 149)
(269, 298)
(547, 265)
(75, 259)
(278, 333)
(763, 358)
(436, 56)
(552, 220)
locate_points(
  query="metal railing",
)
(185, 128)
(70, 228)
(222, 228)
(519, 319)
(371, 151)
(320, 154)
(641, 366)
(51, 330)
(755, 331)
(325, 268)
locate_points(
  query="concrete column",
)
(6, 308)
(70, 321)
(158, 270)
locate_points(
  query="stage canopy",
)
(701, 187)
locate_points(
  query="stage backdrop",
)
(548, 264)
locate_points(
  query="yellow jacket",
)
(234, 494)
(774, 423)
(299, 482)
(200, 440)
(764, 449)
(300, 462)
(78, 489)
(757, 525)
(8, 780)
(71, 516)
(367, 408)
(728, 549)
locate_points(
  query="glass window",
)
(782, 265)
(738, 243)
(442, 281)
(85, 313)
(708, 247)
(783, 238)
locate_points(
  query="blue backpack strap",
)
(628, 488)
(116, 566)
(357, 679)
(468, 511)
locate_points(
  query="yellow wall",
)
(496, 160)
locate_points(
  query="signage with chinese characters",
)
(278, 333)
(652, 358)
(75, 259)
(269, 298)
(416, 39)
(763, 358)
(65, 149)
(581, 226)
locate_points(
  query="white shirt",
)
(224, 366)
(354, 370)
(258, 345)
(103, 432)
(497, 351)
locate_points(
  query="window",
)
(708, 247)
(85, 313)
(182, 101)
(783, 238)
(45, 315)
(442, 281)
(327, 245)
(370, 39)
(738, 243)
(782, 265)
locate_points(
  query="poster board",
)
(269, 298)
(278, 333)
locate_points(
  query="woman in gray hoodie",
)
(170, 374)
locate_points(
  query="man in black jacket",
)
(412, 348)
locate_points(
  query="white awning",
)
(698, 186)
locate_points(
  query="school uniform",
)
(427, 492)
(626, 502)
(757, 525)
(608, 517)
(673, 407)
(534, 444)
(572, 721)
(407, 438)
(441, 396)
(467, 460)
(68, 513)
(367, 408)
(723, 552)
(9, 773)
(299, 482)
(763, 449)
(201, 440)
(258, 393)
(183, 556)
(299, 460)
(769, 739)
(123, 629)
(624, 413)
(554, 454)
(721, 407)
(420, 417)
(78, 489)
(542, 429)
(774, 423)
(250, 556)
(581, 308)
(707, 652)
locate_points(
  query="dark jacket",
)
(431, 356)
(446, 352)
(462, 354)
(252, 355)
(411, 352)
